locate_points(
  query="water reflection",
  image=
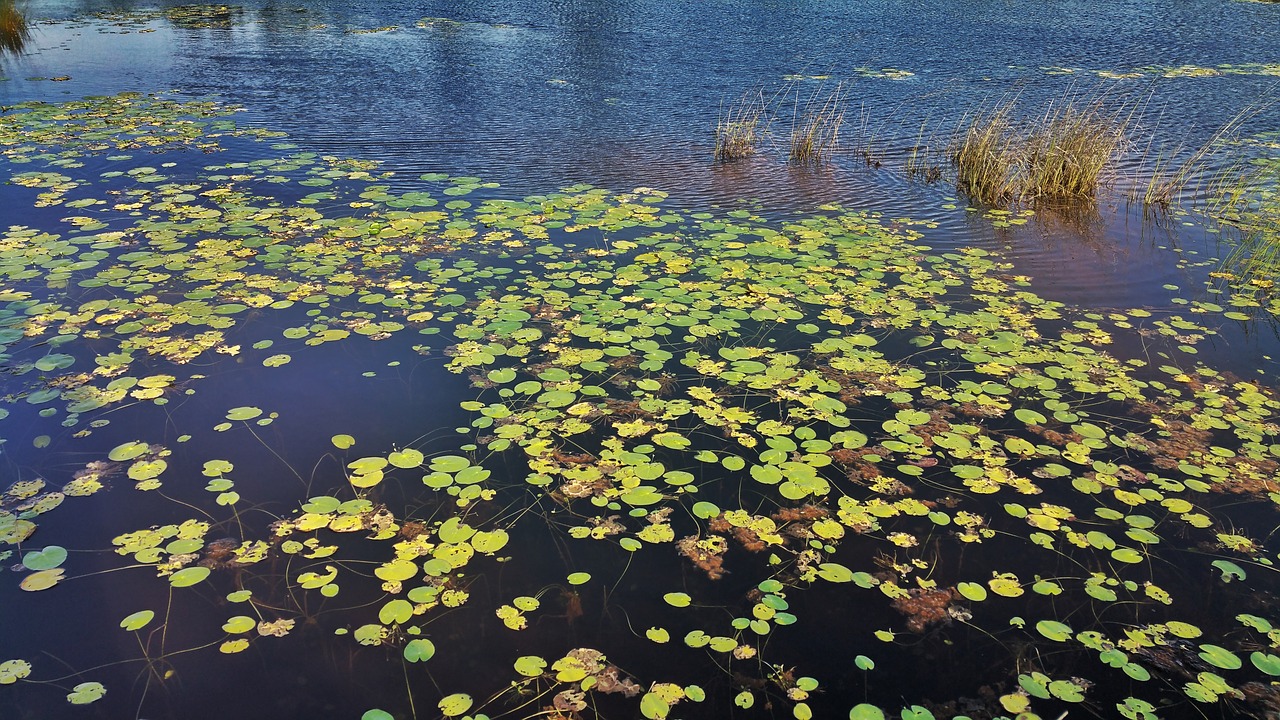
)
(14, 30)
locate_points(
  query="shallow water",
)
(528, 98)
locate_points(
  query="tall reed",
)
(741, 127)
(1168, 178)
(1070, 147)
(815, 125)
(1061, 154)
(988, 157)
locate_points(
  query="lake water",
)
(386, 360)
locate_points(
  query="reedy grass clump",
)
(815, 125)
(1070, 148)
(1248, 199)
(14, 29)
(742, 126)
(988, 158)
(1062, 154)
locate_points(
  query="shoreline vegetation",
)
(1006, 156)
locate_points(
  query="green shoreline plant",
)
(15, 31)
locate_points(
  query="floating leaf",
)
(187, 577)
(677, 599)
(835, 572)
(419, 650)
(1230, 571)
(658, 635)
(1054, 630)
(530, 665)
(138, 620)
(85, 693)
(1266, 662)
(47, 559)
(1219, 656)
(972, 591)
(42, 580)
(243, 413)
(455, 704)
(864, 711)
(653, 707)
(11, 671)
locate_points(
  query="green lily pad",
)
(1219, 656)
(1054, 630)
(187, 577)
(865, 711)
(138, 620)
(85, 693)
(530, 665)
(47, 559)
(677, 599)
(455, 704)
(419, 650)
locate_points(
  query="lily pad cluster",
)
(804, 457)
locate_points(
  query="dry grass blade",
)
(741, 127)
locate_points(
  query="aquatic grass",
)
(1247, 198)
(815, 125)
(741, 127)
(923, 163)
(1061, 154)
(14, 29)
(1070, 147)
(1168, 178)
(988, 158)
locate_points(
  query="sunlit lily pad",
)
(86, 692)
(12, 671)
(187, 577)
(138, 620)
(419, 650)
(455, 704)
(42, 580)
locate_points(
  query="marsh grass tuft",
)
(742, 126)
(1247, 198)
(988, 157)
(1061, 154)
(1070, 147)
(14, 29)
(815, 125)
